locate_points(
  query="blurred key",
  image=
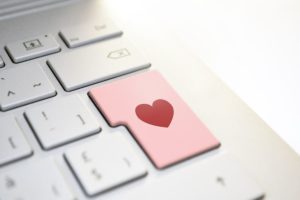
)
(62, 121)
(104, 163)
(22, 85)
(76, 36)
(39, 181)
(94, 64)
(218, 178)
(13, 144)
(162, 123)
(33, 47)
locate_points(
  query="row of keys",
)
(75, 36)
(220, 177)
(101, 167)
(108, 161)
(73, 70)
(53, 123)
(66, 120)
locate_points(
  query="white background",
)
(254, 46)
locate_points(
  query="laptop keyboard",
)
(163, 125)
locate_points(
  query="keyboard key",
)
(37, 181)
(13, 145)
(22, 85)
(158, 118)
(86, 33)
(97, 63)
(221, 177)
(62, 121)
(1, 62)
(31, 48)
(104, 163)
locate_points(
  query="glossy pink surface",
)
(162, 123)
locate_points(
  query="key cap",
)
(41, 180)
(86, 33)
(31, 48)
(158, 118)
(1, 62)
(221, 177)
(22, 85)
(104, 163)
(62, 121)
(94, 64)
(13, 145)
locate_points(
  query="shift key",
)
(93, 64)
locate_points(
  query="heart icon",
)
(159, 114)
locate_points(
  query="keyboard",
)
(93, 115)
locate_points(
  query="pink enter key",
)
(162, 123)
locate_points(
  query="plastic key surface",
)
(39, 181)
(22, 85)
(62, 121)
(31, 48)
(76, 36)
(165, 127)
(13, 144)
(104, 163)
(218, 178)
(93, 64)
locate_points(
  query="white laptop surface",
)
(98, 101)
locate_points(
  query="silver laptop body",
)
(63, 66)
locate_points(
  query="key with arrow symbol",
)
(9, 93)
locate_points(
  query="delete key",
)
(162, 123)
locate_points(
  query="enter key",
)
(162, 123)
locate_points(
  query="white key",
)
(216, 178)
(62, 121)
(1, 62)
(38, 181)
(88, 33)
(22, 85)
(13, 145)
(97, 63)
(31, 48)
(104, 163)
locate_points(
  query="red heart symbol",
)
(159, 114)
